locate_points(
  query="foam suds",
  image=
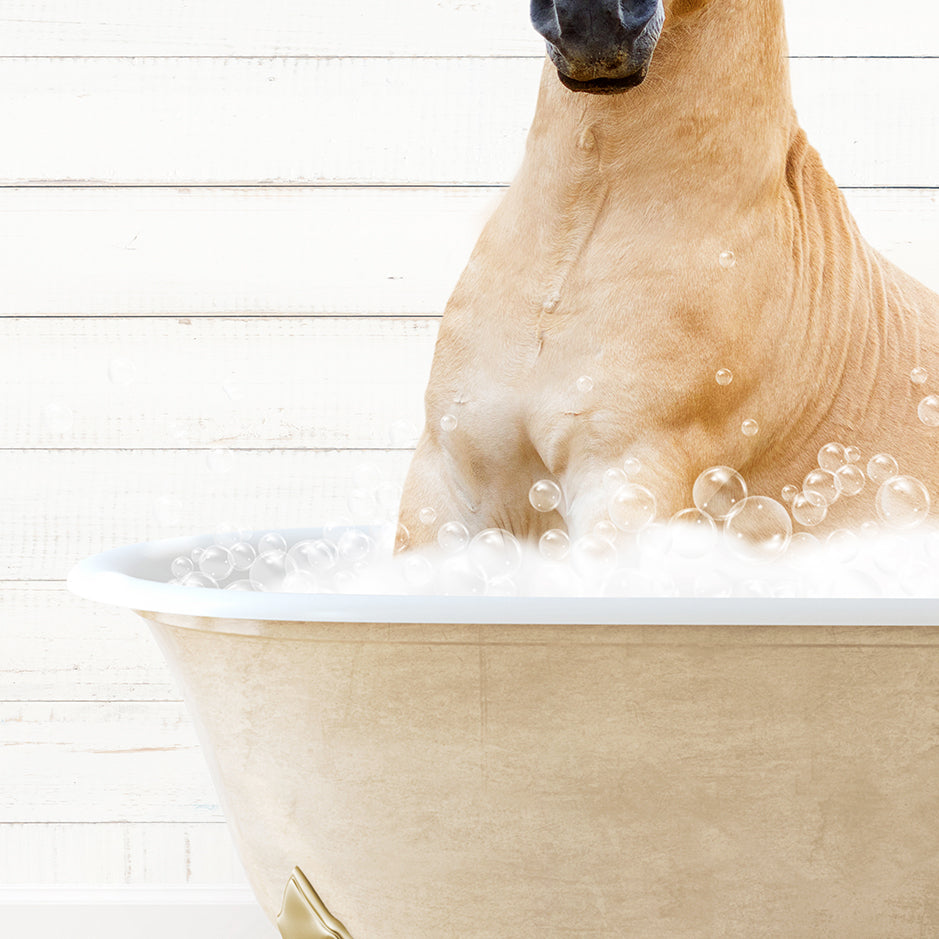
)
(664, 560)
(729, 543)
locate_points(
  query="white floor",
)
(132, 913)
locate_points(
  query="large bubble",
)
(759, 530)
(823, 483)
(809, 509)
(545, 495)
(718, 491)
(632, 508)
(902, 502)
(693, 533)
(496, 553)
(882, 467)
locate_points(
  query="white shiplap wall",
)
(252, 214)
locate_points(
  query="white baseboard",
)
(132, 912)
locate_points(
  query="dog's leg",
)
(481, 492)
(433, 495)
(589, 491)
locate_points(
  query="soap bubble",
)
(613, 478)
(496, 552)
(227, 534)
(344, 581)
(851, 478)
(712, 583)
(629, 582)
(919, 375)
(544, 495)
(809, 509)
(195, 554)
(594, 557)
(754, 587)
(181, 566)
(632, 466)
(584, 384)
(718, 491)
(749, 428)
(315, 555)
(453, 537)
(724, 376)
(333, 529)
(631, 507)
(554, 545)
(198, 579)
(853, 583)
(606, 529)
(402, 538)
(503, 587)
(843, 545)
(852, 454)
(448, 422)
(902, 502)
(789, 493)
(804, 541)
(655, 540)
(268, 570)
(456, 577)
(240, 585)
(882, 467)
(554, 579)
(299, 582)
(220, 460)
(418, 573)
(727, 260)
(823, 483)
(759, 530)
(272, 541)
(121, 371)
(832, 457)
(427, 515)
(354, 545)
(928, 410)
(893, 553)
(58, 418)
(216, 561)
(242, 555)
(693, 532)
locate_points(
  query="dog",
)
(670, 222)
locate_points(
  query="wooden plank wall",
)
(227, 231)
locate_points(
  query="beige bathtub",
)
(480, 767)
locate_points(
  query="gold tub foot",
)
(303, 914)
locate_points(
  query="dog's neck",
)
(713, 120)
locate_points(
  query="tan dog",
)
(603, 262)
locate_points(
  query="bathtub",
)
(478, 767)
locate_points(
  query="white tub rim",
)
(129, 576)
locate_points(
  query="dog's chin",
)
(604, 86)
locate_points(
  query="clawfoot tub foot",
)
(303, 914)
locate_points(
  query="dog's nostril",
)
(544, 18)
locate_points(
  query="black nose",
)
(599, 45)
